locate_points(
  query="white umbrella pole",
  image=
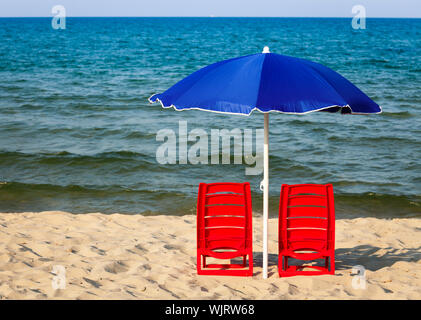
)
(265, 195)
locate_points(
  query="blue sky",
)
(219, 8)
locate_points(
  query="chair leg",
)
(282, 265)
(199, 263)
(250, 269)
(332, 264)
(204, 261)
(244, 261)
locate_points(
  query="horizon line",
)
(212, 17)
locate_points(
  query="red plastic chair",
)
(306, 228)
(224, 228)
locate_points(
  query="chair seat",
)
(312, 244)
(298, 271)
(224, 254)
(305, 255)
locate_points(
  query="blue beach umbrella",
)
(267, 82)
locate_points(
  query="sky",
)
(206, 8)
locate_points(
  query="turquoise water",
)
(77, 132)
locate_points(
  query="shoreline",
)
(117, 256)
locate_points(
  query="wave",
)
(123, 133)
(85, 189)
(68, 160)
(374, 140)
(66, 154)
(21, 197)
(18, 197)
(398, 115)
(354, 205)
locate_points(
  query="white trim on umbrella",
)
(262, 111)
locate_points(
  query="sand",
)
(137, 257)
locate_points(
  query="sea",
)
(78, 134)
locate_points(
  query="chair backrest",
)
(224, 216)
(307, 217)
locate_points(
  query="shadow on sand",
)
(374, 258)
(370, 257)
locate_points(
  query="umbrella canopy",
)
(266, 82)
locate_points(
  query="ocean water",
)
(78, 134)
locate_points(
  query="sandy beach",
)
(139, 257)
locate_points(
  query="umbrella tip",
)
(266, 49)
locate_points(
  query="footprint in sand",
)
(73, 250)
(99, 251)
(292, 289)
(138, 250)
(26, 249)
(146, 267)
(173, 247)
(116, 267)
(92, 282)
